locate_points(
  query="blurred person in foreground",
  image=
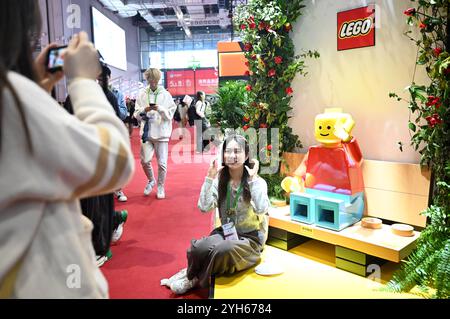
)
(51, 161)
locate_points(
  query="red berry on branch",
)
(248, 47)
(278, 60)
(437, 51)
(410, 12)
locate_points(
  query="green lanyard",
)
(155, 93)
(238, 194)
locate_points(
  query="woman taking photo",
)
(50, 159)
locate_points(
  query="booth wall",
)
(357, 80)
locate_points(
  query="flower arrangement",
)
(265, 26)
(429, 123)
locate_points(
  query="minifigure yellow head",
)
(332, 127)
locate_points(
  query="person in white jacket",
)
(50, 159)
(155, 109)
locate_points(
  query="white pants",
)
(162, 150)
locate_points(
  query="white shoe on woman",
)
(182, 285)
(179, 275)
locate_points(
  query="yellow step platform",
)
(309, 272)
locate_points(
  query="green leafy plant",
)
(265, 26)
(230, 106)
(429, 264)
(274, 185)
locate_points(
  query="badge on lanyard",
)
(229, 229)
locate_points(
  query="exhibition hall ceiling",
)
(170, 15)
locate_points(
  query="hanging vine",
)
(429, 264)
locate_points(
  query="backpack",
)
(192, 114)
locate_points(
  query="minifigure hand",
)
(340, 132)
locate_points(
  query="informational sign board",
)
(188, 82)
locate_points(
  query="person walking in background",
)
(177, 117)
(123, 111)
(117, 100)
(155, 109)
(201, 106)
(129, 121)
(108, 223)
(51, 161)
(183, 111)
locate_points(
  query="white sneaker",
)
(149, 187)
(179, 275)
(121, 196)
(181, 286)
(117, 233)
(161, 194)
(101, 260)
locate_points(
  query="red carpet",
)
(158, 232)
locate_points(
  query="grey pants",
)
(162, 151)
(213, 255)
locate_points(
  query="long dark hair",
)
(106, 74)
(20, 26)
(224, 176)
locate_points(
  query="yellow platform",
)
(309, 272)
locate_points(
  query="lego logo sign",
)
(356, 28)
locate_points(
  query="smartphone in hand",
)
(55, 59)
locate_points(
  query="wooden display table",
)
(380, 243)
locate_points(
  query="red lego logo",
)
(356, 28)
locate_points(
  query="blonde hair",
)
(153, 74)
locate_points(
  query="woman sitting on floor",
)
(241, 198)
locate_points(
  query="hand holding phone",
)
(46, 79)
(151, 107)
(81, 60)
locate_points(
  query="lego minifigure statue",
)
(332, 175)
